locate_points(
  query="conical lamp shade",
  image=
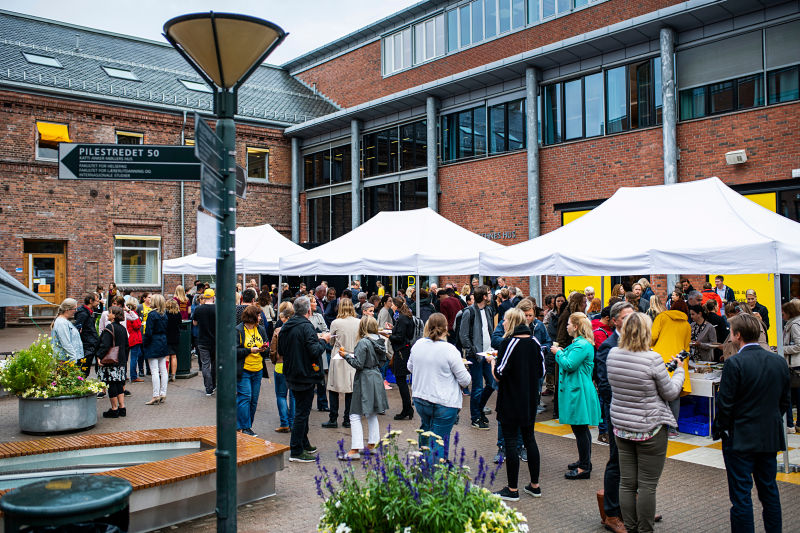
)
(225, 46)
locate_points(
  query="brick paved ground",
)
(691, 497)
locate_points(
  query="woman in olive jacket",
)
(402, 333)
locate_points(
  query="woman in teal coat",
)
(578, 405)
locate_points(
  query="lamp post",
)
(225, 49)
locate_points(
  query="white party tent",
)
(258, 249)
(698, 226)
(418, 241)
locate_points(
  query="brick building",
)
(60, 82)
(624, 93)
(509, 117)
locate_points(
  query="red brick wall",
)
(356, 77)
(36, 205)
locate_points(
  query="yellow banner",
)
(579, 283)
(763, 284)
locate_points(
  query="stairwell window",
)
(137, 260)
(48, 137)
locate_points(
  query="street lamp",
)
(225, 49)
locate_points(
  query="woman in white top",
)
(344, 332)
(66, 338)
(439, 374)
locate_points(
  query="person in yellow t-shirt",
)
(251, 348)
(285, 407)
(381, 290)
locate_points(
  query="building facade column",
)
(431, 116)
(355, 174)
(669, 117)
(532, 141)
(296, 166)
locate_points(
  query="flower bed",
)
(412, 490)
(35, 372)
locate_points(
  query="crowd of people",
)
(614, 366)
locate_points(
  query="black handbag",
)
(794, 375)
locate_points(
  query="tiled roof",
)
(270, 94)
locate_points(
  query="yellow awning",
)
(48, 131)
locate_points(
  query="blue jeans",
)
(247, 391)
(285, 408)
(436, 418)
(134, 356)
(742, 469)
(476, 389)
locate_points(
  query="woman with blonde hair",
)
(344, 333)
(155, 347)
(519, 365)
(369, 396)
(285, 408)
(439, 374)
(577, 397)
(173, 334)
(641, 388)
(656, 307)
(183, 302)
(65, 337)
(671, 333)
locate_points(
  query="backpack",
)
(419, 328)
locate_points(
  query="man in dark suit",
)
(753, 396)
(612, 521)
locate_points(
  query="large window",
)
(137, 260)
(421, 42)
(405, 195)
(507, 127)
(722, 97)
(783, 85)
(397, 148)
(618, 99)
(129, 137)
(322, 168)
(329, 217)
(257, 164)
(464, 134)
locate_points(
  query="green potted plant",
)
(413, 490)
(53, 395)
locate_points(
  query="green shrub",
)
(34, 372)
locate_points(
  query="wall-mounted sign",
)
(499, 235)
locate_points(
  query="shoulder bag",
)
(112, 357)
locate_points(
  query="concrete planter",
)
(57, 415)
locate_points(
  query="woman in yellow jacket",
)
(671, 334)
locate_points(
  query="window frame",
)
(192, 85)
(118, 275)
(761, 80)
(130, 135)
(37, 135)
(261, 150)
(43, 61)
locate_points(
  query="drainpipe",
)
(355, 179)
(669, 118)
(431, 106)
(295, 190)
(183, 228)
(532, 140)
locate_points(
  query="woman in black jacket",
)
(518, 366)
(402, 333)
(173, 336)
(114, 375)
(251, 350)
(154, 342)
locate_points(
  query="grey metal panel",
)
(783, 44)
(718, 28)
(637, 50)
(748, 19)
(719, 60)
(571, 68)
(591, 62)
(614, 56)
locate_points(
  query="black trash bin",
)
(68, 504)
(185, 352)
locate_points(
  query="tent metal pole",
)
(416, 291)
(786, 467)
(280, 289)
(602, 291)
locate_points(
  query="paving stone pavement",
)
(691, 497)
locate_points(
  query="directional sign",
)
(241, 183)
(209, 236)
(207, 145)
(212, 192)
(127, 162)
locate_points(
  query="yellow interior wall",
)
(579, 283)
